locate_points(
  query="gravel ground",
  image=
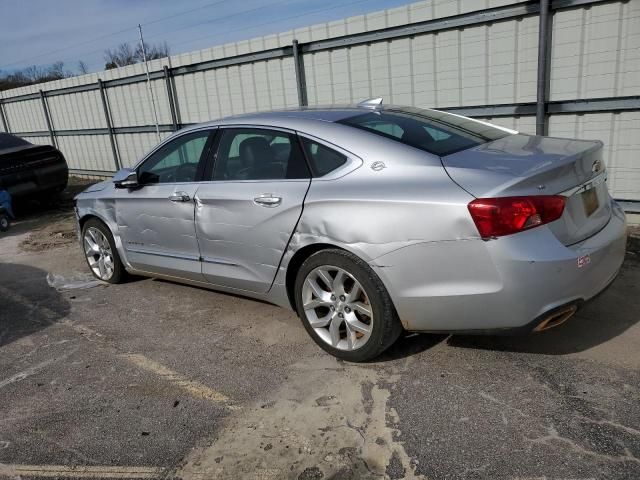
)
(152, 379)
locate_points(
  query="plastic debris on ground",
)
(74, 282)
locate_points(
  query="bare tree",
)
(82, 67)
(153, 52)
(33, 74)
(56, 71)
(120, 56)
(124, 55)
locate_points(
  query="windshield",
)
(435, 132)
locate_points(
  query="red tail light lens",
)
(496, 217)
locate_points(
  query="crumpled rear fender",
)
(371, 215)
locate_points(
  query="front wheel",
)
(100, 252)
(344, 306)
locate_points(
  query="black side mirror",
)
(126, 178)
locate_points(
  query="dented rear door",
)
(242, 240)
(247, 213)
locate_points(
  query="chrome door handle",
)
(179, 197)
(268, 200)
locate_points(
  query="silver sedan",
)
(367, 221)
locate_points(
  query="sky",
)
(40, 32)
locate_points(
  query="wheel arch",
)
(104, 216)
(373, 286)
(85, 218)
(296, 262)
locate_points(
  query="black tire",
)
(386, 324)
(4, 223)
(119, 272)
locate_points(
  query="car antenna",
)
(373, 103)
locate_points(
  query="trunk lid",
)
(520, 164)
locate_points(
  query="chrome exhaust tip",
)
(556, 318)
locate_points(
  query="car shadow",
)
(603, 318)
(205, 289)
(27, 303)
(410, 344)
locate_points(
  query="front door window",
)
(176, 162)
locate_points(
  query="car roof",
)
(311, 117)
(324, 123)
(318, 122)
(291, 115)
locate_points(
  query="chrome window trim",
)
(217, 182)
(353, 161)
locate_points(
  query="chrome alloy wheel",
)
(337, 307)
(99, 254)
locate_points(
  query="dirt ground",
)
(59, 228)
(60, 232)
(151, 379)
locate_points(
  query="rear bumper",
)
(503, 285)
(38, 180)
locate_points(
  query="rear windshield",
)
(435, 132)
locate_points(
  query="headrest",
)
(253, 149)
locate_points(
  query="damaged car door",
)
(155, 219)
(247, 212)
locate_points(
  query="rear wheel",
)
(4, 223)
(100, 252)
(345, 307)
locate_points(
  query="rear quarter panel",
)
(372, 213)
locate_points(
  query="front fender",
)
(105, 211)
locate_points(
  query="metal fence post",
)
(543, 81)
(176, 103)
(107, 117)
(45, 108)
(5, 120)
(172, 105)
(301, 82)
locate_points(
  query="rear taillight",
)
(496, 217)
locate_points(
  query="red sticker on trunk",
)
(584, 260)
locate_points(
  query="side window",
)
(258, 154)
(323, 159)
(177, 161)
